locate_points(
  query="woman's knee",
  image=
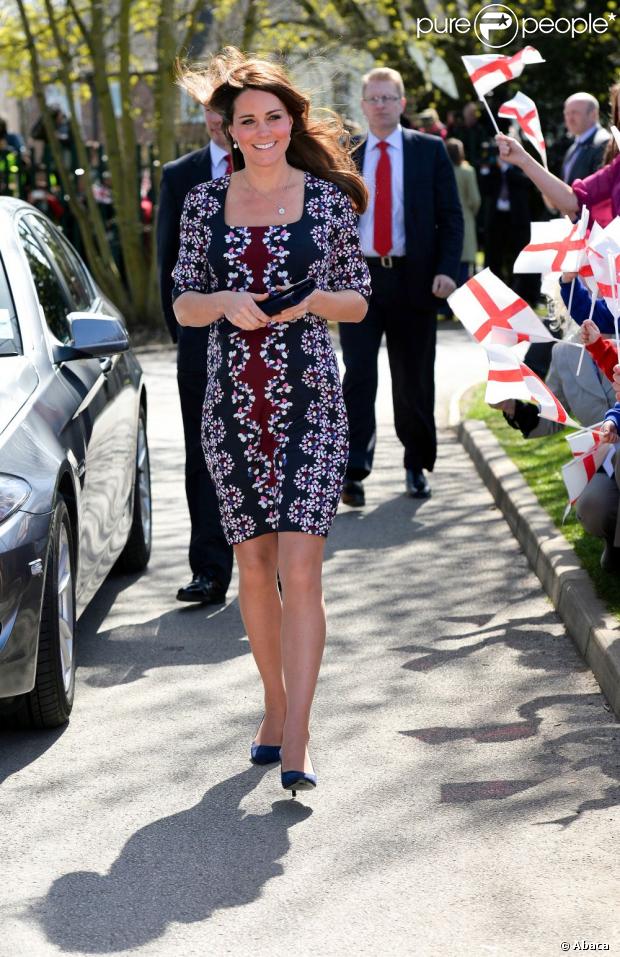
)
(301, 577)
(257, 562)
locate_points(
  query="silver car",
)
(75, 494)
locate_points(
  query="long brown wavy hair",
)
(318, 145)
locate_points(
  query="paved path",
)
(469, 771)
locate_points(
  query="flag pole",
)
(570, 299)
(611, 265)
(488, 109)
(583, 352)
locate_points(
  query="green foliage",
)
(386, 30)
(540, 461)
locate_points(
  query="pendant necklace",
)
(281, 209)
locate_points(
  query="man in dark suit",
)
(585, 155)
(210, 556)
(511, 203)
(412, 236)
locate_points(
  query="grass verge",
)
(540, 461)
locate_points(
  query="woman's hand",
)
(511, 151)
(589, 332)
(609, 432)
(241, 310)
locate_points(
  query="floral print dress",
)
(274, 428)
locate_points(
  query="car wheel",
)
(49, 703)
(137, 551)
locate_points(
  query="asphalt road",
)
(469, 770)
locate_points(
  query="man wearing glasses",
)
(411, 235)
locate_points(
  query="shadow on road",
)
(181, 869)
(190, 634)
(593, 748)
(21, 748)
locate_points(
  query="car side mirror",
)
(93, 335)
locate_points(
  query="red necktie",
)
(383, 202)
(228, 164)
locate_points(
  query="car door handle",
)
(106, 364)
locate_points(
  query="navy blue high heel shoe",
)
(265, 753)
(298, 781)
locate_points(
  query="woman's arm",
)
(560, 194)
(201, 309)
(347, 305)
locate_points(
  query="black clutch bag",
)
(291, 296)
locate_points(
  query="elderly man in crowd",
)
(585, 154)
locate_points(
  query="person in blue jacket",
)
(581, 303)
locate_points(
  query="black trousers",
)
(410, 335)
(209, 552)
(503, 243)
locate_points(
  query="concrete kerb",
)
(595, 633)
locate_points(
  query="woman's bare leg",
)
(300, 561)
(261, 611)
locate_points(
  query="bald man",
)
(585, 154)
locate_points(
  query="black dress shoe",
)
(208, 591)
(610, 559)
(417, 484)
(353, 494)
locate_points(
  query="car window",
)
(67, 263)
(50, 290)
(10, 341)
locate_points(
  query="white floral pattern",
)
(275, 432)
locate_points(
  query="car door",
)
(95, 388)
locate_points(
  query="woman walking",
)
(274, 422)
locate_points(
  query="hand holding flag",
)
(524, 111)
(509, 378)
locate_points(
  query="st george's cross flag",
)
(585, 440)
(492, 312)
(586, 273)
(555, 246)
(577, 474)
(603, 254)
(509, 378)
(488, 70)
(522, 109)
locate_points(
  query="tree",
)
(67, 41)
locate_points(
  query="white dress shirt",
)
(367, 219)
(218, 160)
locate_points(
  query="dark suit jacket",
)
(178, 178)
(520, 194)
(590, 155)
(433, 217)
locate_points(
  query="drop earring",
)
(235, 145)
